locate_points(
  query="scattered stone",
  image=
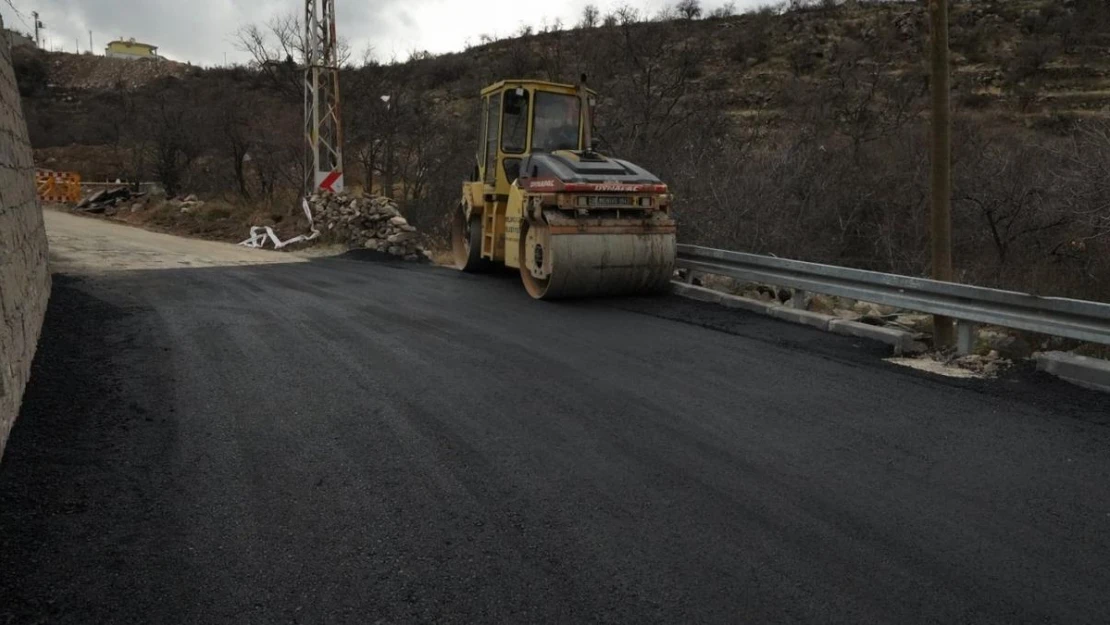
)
(866, 309)
(401, 237)
(1011, 347)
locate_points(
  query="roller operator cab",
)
(541, 199)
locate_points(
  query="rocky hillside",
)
(1020, 58)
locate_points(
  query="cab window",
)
(558, 122)
(483, 141)
(514, 124)
(491, 138)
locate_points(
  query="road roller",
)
(541, 198)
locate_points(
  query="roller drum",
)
(580, 265)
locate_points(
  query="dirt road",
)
(85, 245)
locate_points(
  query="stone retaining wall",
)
(24, 277)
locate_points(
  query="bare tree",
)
(170, 127)
(689, 9)
(1087, 178)
(367, 118)
(277, 158)
(278, 50)
(1010, 187)
(237, 141)
(651, 72)
(590, 16)
(727, 9)
(626, 15)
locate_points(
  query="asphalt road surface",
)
(336, 441)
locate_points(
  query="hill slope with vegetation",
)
(798, 130)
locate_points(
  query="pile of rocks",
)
(373, 223)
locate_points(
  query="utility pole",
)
(387, 169)
(941, 174)
(323, 128)
(38, 25)
(92, 50)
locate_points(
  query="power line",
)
(18, 13)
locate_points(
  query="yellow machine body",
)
(542, 200)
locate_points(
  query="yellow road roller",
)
(542, 199)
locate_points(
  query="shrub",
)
(1031, 56)
(752, 44)
(31, 72)
(975, 100)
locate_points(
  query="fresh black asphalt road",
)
(361, 442)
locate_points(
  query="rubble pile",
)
(108, 200)
(86, 71)
(372, 223)
(187, 204)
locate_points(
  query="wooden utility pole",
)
(941, 176)
(38, 26)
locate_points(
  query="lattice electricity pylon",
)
(323, 127)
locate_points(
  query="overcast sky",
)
(202, 31)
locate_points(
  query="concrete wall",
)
(24, 278)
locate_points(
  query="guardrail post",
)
(965, 337)
(798, 301)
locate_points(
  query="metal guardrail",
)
(1054, 316)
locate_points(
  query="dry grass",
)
(217, 220)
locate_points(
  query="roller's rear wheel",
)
(466, 242)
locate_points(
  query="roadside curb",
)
(1091, 373)
(901, 340)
